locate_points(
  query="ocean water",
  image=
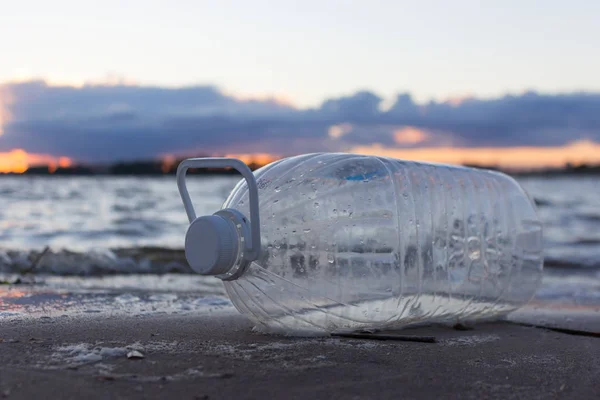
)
(113, 245)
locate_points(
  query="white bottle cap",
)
(211, 245)
(225, 243)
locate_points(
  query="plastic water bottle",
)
(324, 243)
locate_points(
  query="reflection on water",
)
(83, 213)
(98, 213)
(131, 295)
(570, 211)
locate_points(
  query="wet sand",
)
(220, 357)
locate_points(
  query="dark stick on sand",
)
(567, 331)
(381, 336)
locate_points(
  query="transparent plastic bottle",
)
(352, 242)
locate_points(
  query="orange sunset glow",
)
(515, 158)
(19, 161)
(256, 158)
(575, 153)
(409, 135)
(167, 163)
(522, 157)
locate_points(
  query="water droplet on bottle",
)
(241, 202)
(277, 189)
(334, 210)
(473, 248)
(330, 258)
(306, 230)
(316, 204)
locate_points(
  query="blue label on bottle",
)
(364, 177)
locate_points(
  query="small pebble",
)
(135, 355)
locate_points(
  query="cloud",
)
(106, 123)
(527, 119)
(360, 106)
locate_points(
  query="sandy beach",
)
(219, 356)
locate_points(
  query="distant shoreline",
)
(158, 168)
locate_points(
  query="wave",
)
(150, 260)
(139, 260)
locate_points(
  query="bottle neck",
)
(217, 245)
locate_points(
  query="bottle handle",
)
(252, 252)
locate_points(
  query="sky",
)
(99, 81)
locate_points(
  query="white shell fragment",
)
(135, 355)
